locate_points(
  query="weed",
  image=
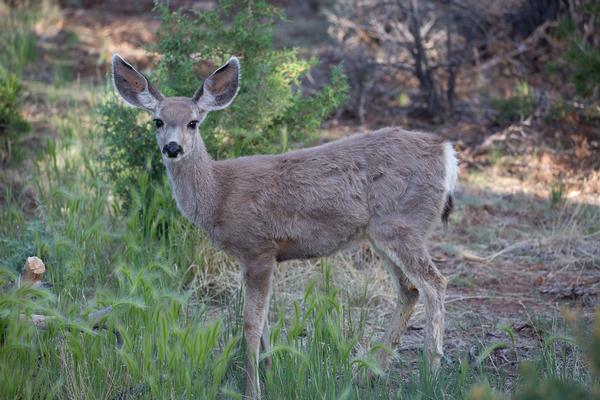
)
(557, 193)
(463, 280)
(496, 156)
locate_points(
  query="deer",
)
(387, 188)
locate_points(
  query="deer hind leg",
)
(405, 249)
(257, 280)
(265, 346)
(408, 296)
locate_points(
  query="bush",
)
(130, 149)
(12, 123)
(270, 111)
(519, 106)
(585, 62)
(17, 49)
(581, 32)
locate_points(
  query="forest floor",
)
(522, 249)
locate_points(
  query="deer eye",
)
(158, 123)
(192, 124)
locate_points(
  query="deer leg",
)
(404, 248)
(257, 280)
(407, 299)
(265, 346)
(432, 286)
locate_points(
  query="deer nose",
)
(172, 149)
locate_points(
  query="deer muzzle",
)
(172, 149)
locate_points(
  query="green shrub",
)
(130, 149)
(558, 110)
(12, 123)
(582, 57)
(270, 110)
(519, 106)
(17, 49)
(585, 62)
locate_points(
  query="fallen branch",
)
(524, 46)
(96, 316)
(468, 256)
(42, 322)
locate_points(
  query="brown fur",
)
(388, 187)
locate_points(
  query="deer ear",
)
(132, 86)
(220, 88)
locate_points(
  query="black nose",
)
(172, 149)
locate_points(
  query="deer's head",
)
(177, 118)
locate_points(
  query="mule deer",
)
(387, 187)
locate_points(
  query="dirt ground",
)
(522, 245)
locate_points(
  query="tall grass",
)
(17, 41)
(95, 259)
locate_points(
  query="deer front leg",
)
(257, 280)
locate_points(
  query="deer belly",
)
(321, 245)
(291, 250)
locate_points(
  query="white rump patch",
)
(451, 163)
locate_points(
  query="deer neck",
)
(194, 186)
